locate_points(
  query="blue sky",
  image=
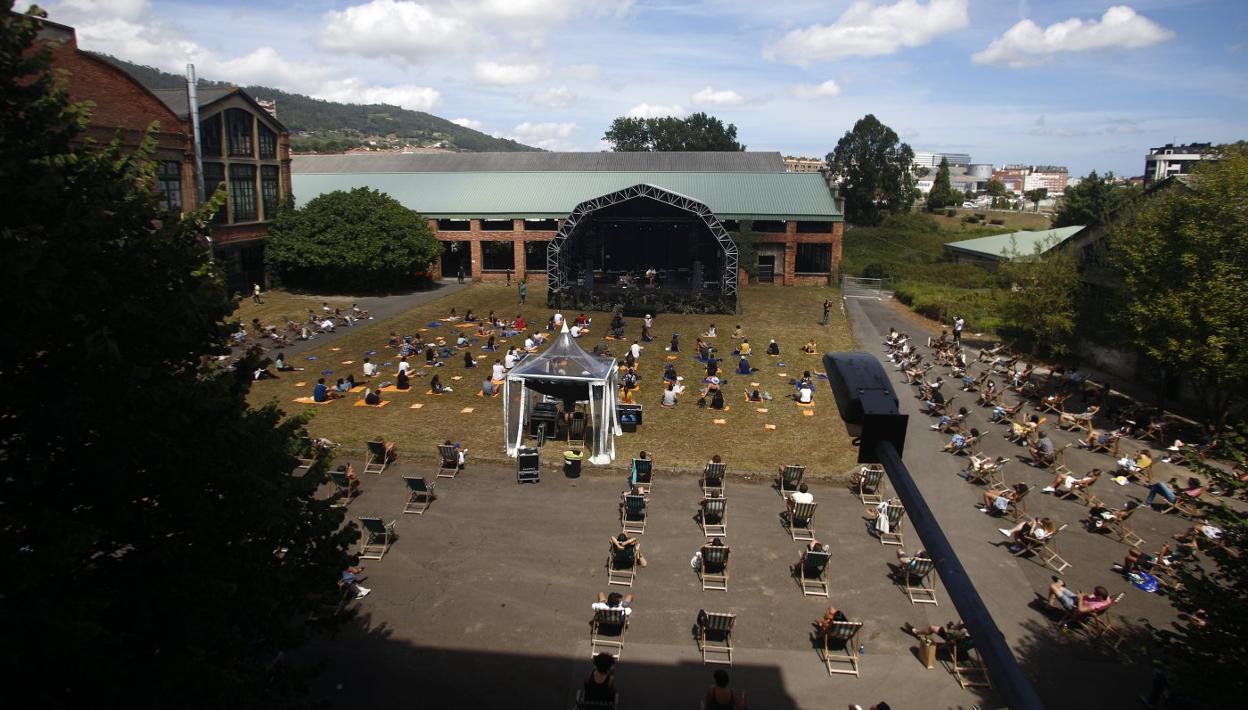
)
(1086, 84)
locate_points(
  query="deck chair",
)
(1124, 529)
(715, 636)
(1053, 403)
(714, 516)
(622, 565)
(606, 632)
(1017, 509)
(871, 484)
(342, 492)
(970, 446)
(986, 470)
(790, 479)
(583, 704)
(645, 473)
(449, 458)
(1186, 505)
(1098, 626)
(943, 408)
(840, 647)
(896, 513)
(419, 495)
(801, 521)
(1108, 447)
(576, 429)
(376, 461)
(1045, 551)
(307, 455)
(1084, 494)
(916, 579)
(375, 538)
(713, 478)
(714, 569)
(633, 514)
(967, 666)
(1081, 421)
(812, 573)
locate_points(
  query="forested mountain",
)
(329, 126)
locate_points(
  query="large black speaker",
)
(589, 276)
(696, 276)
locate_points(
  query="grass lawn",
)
(684, 437)
(277, 307)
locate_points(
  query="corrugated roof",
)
(551, 195)
(998, 245)
(681, 162)
(175, 99)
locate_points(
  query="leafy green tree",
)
(1093, 200)
(941, 193)
(159, 550)
(747, 248)
(1034, 196)
(699, 132)
(874, 169)
(1041, 308)
(362, 240)
(995, 188)
(1183, 260)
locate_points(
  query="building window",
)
(535, 255)
(454, 225)
(238, 131)
(541, 225)
(770, 226)
(813, 259)
(270, 193)
(268, 142)
(210, 136)
(214, 175)
(814, 227)
(498, 256)
(497, 225)
(243, 193)
(169, 184)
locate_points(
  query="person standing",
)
(255, 292)
(827, 311)
(958, 324)
(460, 272)
(524, 290)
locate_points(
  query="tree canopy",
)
(1092, 200)
(873, 166)
(699, 132)
(1183, 261)
(362, 240)
(1040, 310)
(942, 193)
(160, 551)
(1035, 195)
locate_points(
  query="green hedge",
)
(981, 307)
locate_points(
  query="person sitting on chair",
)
(1137, 467)
(1171, 491)
(1065, 483)
(951, 634)
(801, 495)
(934, 399)
(391, 449)
(624, 541)
(998, 502)
(614, 600)
(1042, 452)
(1037, 528)
(1099, 516)
(1079, 606)
(372, 397)
(461, 454)
(832, 615)
(633, 479)
(773, 348)
(960, 441)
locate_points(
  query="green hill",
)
(329, 126)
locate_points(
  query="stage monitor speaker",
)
(696, 277)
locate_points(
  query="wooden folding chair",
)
(1124, 529)
(896, 513)
(1081, 421)
(606, 632)
(375, 538)
(840, 647)
(1185, 505)
(622, 565)
(916, 579)
(986, 470)
(713, 478)
(871, 484)
(967, 666)
(342, 484)
(633, 514)
(714, 516)
(376, 462)
(1084, 494)
(790, 479)
(419, 495)
(1054, 403)
(449, 457)
(715, 636)
(714, 569)
(812, 573)
(307, 455)
(801, 521)
(1110, 446)
(1017, 508)
(1044, 550)
(576, 429)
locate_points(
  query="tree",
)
(941, 193)
(159, 548)
(1036, 195)
(874, 168)
(1183, 261)
(362, 240)
(995, 188)
(747, 248)
(1093, 200)
(1041, 307)
(699, 132)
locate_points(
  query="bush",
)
(970, 219)
(951, 213)
(1000, 222)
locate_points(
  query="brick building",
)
(243, 145)
(497, 212)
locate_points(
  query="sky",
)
(1081, 83)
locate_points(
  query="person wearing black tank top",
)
(600, 685)
(721, 697)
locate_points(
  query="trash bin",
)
(572, 463)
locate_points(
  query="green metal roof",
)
(551, 195)
(999, 245)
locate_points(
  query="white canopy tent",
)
(566, 372)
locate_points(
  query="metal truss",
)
(557, 268)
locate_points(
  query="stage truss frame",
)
(557, 269)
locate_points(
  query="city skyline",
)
(1088, 85)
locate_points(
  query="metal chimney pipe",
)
(192, 100)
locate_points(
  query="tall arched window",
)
(238, 132)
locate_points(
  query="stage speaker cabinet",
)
(630, 416)
(588, 274)
(696, 277)
(528, 465)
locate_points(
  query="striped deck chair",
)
(1044, 550)
(840, 647)
(643, 474)
(583, 704)
(376, 461)
(715, 636)
(622, 565)
(449, 458)
(714, 568)
(375, 538)
(606, 632)
(812, 573)
(967, 666)
(419, 495)
(895, 514)
(790, 478)
(633, 514)
(916, 579)
(871, 484)
(801, 521)
(714, 517)
(342, 485)
(576, 429)
(713, 478)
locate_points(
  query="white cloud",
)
(555, 97)
(501, 73)
(723, 97)
(549, 135)
(266, 67)
(656, 111)
(824, 90)
(121, 9)
(354, 91)
(869, 30)
(547, 12)
(468, 123)
(396, 28)
(584, 72)
(1026, 44)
